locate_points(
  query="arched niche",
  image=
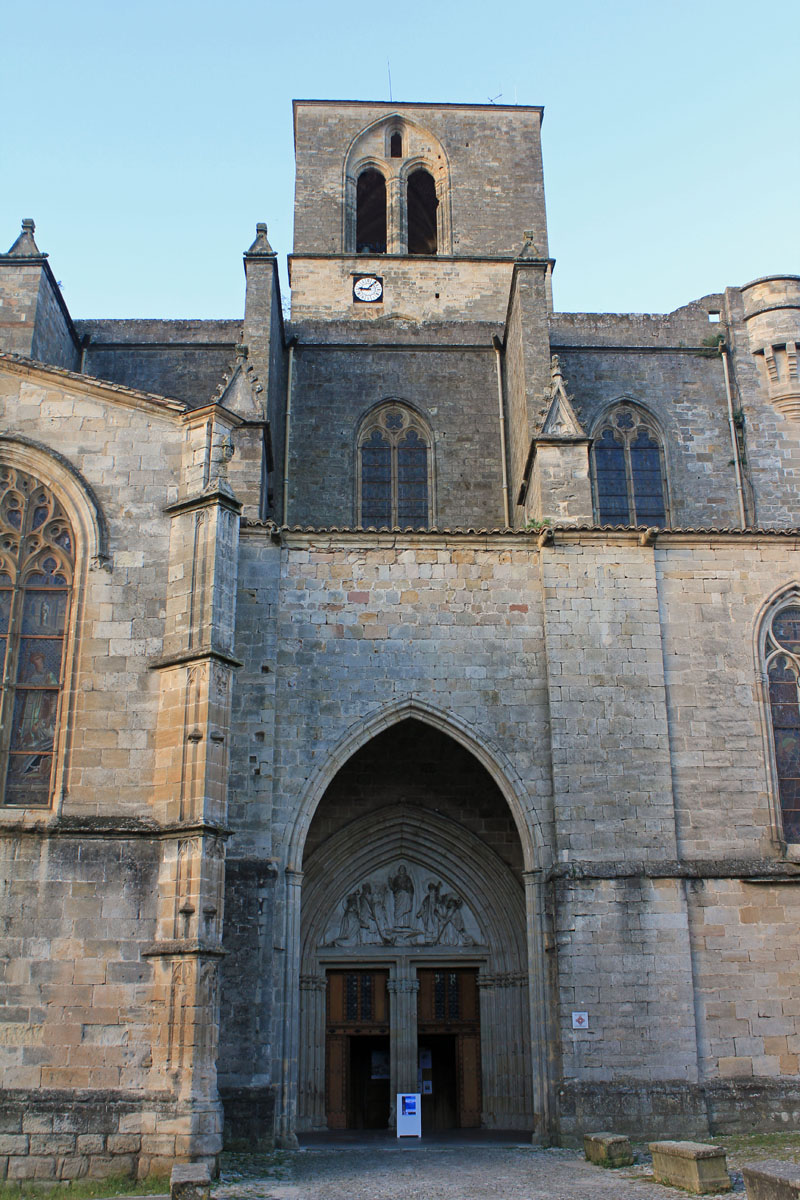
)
(463, 904)
(516, 1022)
(375, 148)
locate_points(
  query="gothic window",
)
(394, 470)
(422, 205)
(628, 469)
(371, 213)
(396, 145)
(36, 570)
(782, 652)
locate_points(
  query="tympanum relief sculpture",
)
(402, 907)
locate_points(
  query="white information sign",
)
(409, 1114)
(580, 1020)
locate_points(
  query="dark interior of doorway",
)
(440, 1104)
(368, 1083)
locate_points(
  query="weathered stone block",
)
(607, 1149)
(101, 1166)
(695, 1166)
(772, 1180)
(11, 1143)
(190, 1181)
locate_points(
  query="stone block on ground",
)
(695, 1166)
(607, 1149)
(772, 1180)
(190, 1181)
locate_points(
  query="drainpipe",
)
(498, 346)
(287, 425)
(734, 441)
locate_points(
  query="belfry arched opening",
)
(413, 943)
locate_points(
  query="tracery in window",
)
(628, 470)
(371, 213)
(36, 573)
(394, 470)
(782, 651)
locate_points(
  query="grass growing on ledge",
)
(83, 1189)
(753, 1147)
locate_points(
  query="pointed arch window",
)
(422, 206)
(782, 652)
(395, 479)
(36, 573)
(371, 213)
(628, 471)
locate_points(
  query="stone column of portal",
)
(487, 986)
(538, 1007)
(403, 989)
(311, 1102)
(290, 1022)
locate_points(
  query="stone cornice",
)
(305, 535)
(49, 825)
(748, 870)
(176, 948)
(214, 495)
(191, 656)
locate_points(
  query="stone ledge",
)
(772, 1180)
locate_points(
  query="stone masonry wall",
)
(185, 360)
(623, 957)
(54, 338)
(745, 942)
(710, 596)
(79, 902)
(415, 289)
(456, 392)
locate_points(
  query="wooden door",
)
(357, 1006)
(448, 1004)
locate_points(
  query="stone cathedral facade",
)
(400, 697)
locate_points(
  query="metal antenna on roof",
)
(492, 99)
(389, 69)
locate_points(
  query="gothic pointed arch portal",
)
(416, 921)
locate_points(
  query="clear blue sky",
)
(146, 139)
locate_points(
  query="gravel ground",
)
(411, 1172)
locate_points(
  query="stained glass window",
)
(628, 467)
(395, 470)
(36, 568)
(783, 675)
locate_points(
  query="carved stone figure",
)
(451, 922)
(349, 927)
(380, 912)
(402, 886)
(427, 913)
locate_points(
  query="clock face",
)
(368, 289)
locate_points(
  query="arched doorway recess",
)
(415, 935)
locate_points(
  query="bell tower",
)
(413, 211)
